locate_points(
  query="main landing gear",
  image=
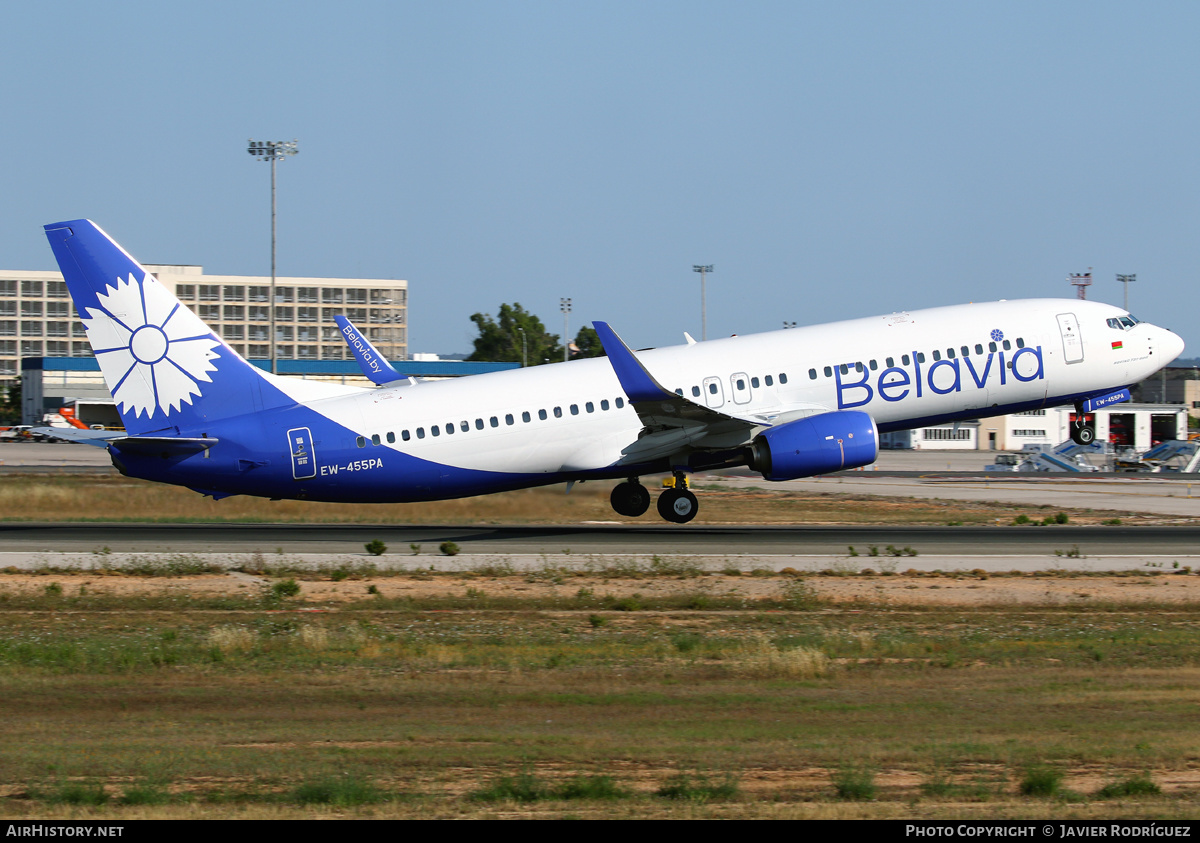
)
(676, 503)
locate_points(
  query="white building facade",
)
(37, 318)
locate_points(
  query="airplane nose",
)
(1172, 345)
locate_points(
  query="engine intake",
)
(815, 445)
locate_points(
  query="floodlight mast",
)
(1081, 280)
(565, 306)
(272, 151)
(703, 270)
(1126, 279)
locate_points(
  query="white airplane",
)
(788, 404)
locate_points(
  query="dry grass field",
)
(661, 692)
(547, 694)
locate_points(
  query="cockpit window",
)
(1123, 323)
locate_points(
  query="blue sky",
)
(831, 160)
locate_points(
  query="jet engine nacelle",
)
(815, 445)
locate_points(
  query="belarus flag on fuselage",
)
(1116, 345)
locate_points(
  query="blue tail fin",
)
(165, 368)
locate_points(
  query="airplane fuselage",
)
(572, 421)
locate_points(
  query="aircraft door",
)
(1068, 326)
(739, 387)
(714, 393)
(304, 460)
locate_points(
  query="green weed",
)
(854, 785)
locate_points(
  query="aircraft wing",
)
(671, 421)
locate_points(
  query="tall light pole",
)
(1081, 280)
(703, 270)
(272, 151)
(524, 348)
(565, 306)
(1126, 279)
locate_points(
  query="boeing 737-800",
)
(788, 404)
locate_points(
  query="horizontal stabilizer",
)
(157, 444)
(368, 357)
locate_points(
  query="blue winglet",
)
(639, 384)
(369, 359)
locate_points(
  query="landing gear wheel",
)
(630, 499)
(677, 505)
(1083, 435)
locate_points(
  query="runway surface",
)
(593, 539)
(28, 546)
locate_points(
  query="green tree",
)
(10, 402)
(587, 341)
(500, 340)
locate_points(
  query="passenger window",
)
(991, 346)
(695, 392)
(874, 366)
(465, 425)
(891, 361)
(858, 367)
(741, 384)
(937, 355)
(479, 424)
(391, 437)
(375, 439)
(845, 369)
(679, 392)
(783, 376)
(920, 357)
(542, 415)
(494, 422)
(1020, 343)
(525, 417)
(712, 389)
(950, 353)
(906, 360)
(508, 419)
(574, 409)
(435, 430)
(754, 383)
(590, 407)
(450, 428)
(558, 412)
(420, 433)
(966, 351)
(769, 381)
(979, 348)
(812, 374)
(1007, 345)
(620, 402)
(362, 442)
(404, 434)
(604, 404)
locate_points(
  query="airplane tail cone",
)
(165, 367)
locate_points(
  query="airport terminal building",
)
(37, 318)
(1130, 425)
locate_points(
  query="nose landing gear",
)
(1082, 432)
